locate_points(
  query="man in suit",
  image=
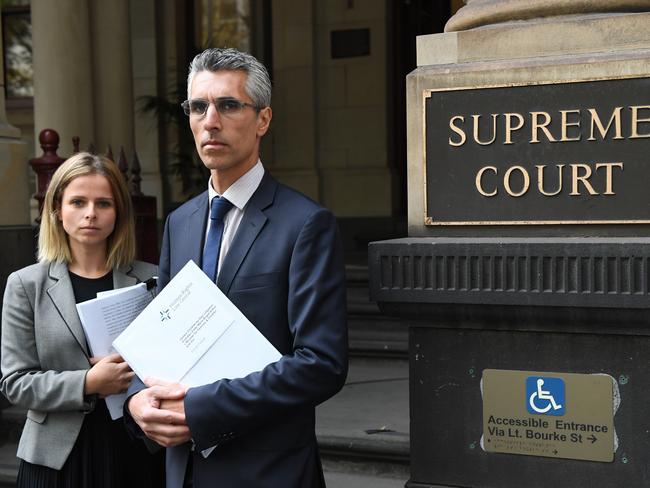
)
(277, 256)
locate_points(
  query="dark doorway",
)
(406, 20)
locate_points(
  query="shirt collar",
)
(241, 190)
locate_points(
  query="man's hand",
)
(171, 403)
(159, 412)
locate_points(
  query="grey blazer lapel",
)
(249, 227)
(122, 279)
(62, 296)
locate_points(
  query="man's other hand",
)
(160, 413)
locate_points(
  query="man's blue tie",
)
(218, 210)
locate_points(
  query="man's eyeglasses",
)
(198, 107)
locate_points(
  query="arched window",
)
(224, 23)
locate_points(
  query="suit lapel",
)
(62, 297)
(196, 225)
(122, 279)
(250, 226)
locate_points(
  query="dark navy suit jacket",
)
(285, 272)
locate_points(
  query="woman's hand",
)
(108, 375)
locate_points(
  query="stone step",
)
(337, 475)
(363, 431)
(358, 300)
(377, 335)
(356, 273)
(352, 475)
(370, 332)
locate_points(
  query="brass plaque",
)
(537, 153)
(562, 415)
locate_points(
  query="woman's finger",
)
(114, 358)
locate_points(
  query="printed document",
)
(104, 318)
(192, 334)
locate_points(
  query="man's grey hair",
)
(258, 83)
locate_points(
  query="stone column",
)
(491, 283)
(14, 189)
(327, 136)
(289, 147)
(505, 42)
(63, 81)
(112, 76)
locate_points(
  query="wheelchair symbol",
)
(545, 401)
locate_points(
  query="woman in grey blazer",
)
(86, 244)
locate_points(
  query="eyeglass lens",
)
(225, 106)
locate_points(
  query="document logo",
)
(164, 315)
(545, 395)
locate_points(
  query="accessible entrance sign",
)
(563, 415)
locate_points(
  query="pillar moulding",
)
(480, 13)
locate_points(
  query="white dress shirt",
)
(239, 193)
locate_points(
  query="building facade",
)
(113, 74)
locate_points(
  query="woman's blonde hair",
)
(52, 239)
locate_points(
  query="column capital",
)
(478, 13)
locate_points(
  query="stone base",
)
(447, 406)
(538, 304)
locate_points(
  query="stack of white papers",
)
(105, 318)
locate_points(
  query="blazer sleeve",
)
(23, 382)
(317, 366)
(130, 424)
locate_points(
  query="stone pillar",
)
(112, 76)
(14, 188)
(63, 77)
(567, 45)
(328, 134)
(289, 149)
(500, 286)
